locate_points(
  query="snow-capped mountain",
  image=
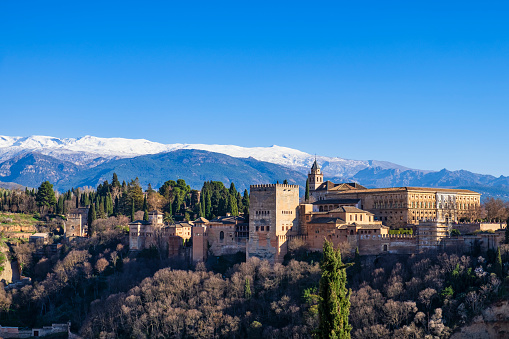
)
(86, 150)
(89, 160)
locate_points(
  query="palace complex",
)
(348, 214)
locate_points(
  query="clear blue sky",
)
(420, 83)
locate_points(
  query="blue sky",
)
(420, 83)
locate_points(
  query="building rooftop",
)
(349, 209)
(229, 220)
(336, 201)
(348, 187)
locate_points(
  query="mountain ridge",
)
(75, 162)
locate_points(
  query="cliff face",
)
(493, 323)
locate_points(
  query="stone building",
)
(76, 219)
(399, 206)
(273, 218)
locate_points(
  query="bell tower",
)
(315, 177)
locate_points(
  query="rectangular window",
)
(256, 228)
(262, 228)
(268, 228)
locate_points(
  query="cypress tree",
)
(132, 211)
(202, 204)
(334, 302)
(306, 195)
(234, 211)
(92, 216)
(145, 206)
(285, 182)
(506, 240)
(208, 206)
(245, 202)
(499, 269)
(247, 289)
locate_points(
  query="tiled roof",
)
(336, 201)
(349, 209)
(229, 220)
(327, 220)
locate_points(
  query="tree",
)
(334, 303)
(45, 195)
(233, 206)
(245, 202)
(306, 195)
(133, 211)
(499, 268)
(145, 209)
(506, 240)
(92, 216)
(247, 289)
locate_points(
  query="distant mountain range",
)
(89, 160)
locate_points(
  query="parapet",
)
(261, 186)
(386, 236)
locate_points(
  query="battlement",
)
(386, 236)
(262, 186)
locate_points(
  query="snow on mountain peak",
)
(86, 149)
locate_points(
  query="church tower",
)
(315, 177)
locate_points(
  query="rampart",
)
(387, 243)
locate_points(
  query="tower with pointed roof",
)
(315, 177)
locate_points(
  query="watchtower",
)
(273, 217)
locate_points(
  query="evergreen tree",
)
(145, 215)
(357, 261)
(334, 303)
(234, 211)
(245, 202)
(45, 195)
(114, 181)
(202, 204)
(208, 207)
(60, 205)
(285, 182)
(116, 207)
(306, 195)
(133, 211)
(506, 240)
(499, 268)
(92, 216)
(247, 289)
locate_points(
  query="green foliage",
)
(306, 194)
(455, 233)
(45, 195)
(401, 231)
(247, 289)
(447, 293)
(92, 216)
(3, 260)
(499, 268)
(334, 304)
(506, 240)
(245, 202)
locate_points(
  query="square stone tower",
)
(273, 218)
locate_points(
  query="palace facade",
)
(348, 214)
(397, 206)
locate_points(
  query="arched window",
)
(221, 235)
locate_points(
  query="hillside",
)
(193, 166)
